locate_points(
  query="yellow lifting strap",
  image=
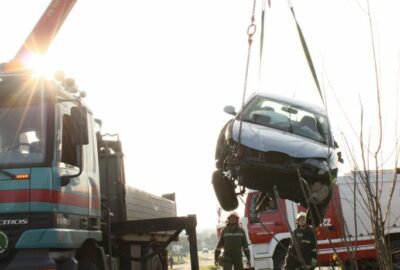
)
(251, 30)
(302, 40)
(306, 52)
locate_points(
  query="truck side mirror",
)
(65, 180)
(80, 127)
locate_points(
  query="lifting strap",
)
(261, 39)
(251, 30)
(306, 52)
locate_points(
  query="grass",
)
(208, 267)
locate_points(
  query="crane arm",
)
(43, 33)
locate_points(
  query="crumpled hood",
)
(267, 139)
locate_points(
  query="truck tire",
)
(156, 263)
(89, 257)
(225, 191)
(395, 251)
(279, 259)
(86, 264)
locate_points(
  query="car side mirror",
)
(230, 110)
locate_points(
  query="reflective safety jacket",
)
(233, 240)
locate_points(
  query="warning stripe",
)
(48, 196)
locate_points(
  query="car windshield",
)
(289, 118)
(22, 130)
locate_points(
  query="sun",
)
(40, 65)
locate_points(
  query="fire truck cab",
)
(344, 233)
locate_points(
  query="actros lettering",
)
(4, 222)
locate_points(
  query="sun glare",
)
(40, 65)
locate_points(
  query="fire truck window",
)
(69, 150)
(271, 205)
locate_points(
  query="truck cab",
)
(64, 201)
(50, 194)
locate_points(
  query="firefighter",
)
(232, 241)
(305, 240)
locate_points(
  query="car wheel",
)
(225, 191)
(222, 149)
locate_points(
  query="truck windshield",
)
(22, 130)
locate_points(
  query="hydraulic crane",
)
(41, 35)
(64, 202)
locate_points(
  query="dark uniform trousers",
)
(305, 240)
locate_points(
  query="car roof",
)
(292, 101)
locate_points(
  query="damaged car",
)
(280, 146)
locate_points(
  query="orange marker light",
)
(22, 176)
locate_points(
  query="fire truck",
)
(64, 201)
(345, 233)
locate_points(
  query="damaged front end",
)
(275, 159)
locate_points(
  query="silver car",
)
(280, 146)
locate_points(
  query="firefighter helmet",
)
(301, 214)
(234, 214)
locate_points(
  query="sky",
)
(159, 73)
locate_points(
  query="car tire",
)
(225, 191)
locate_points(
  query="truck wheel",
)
(156, 263)
(86, 264)
(88, 257)
(225, 191)
(279, 259)
(395, 250)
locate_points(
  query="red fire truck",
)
(344, 234)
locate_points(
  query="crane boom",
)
(41, 36)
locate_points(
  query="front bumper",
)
(264, 171)
(38, 259)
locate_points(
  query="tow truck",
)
(64, 202)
